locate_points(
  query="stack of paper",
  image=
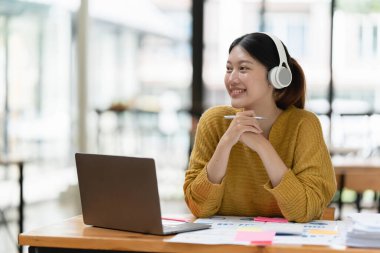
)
(364, 231)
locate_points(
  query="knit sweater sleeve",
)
(309, 185)
(203, 197)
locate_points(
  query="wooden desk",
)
(72, 234)
(357, 175)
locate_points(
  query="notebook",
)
(119, 192)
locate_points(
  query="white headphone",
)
(280, 76)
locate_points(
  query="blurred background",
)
(131, 78)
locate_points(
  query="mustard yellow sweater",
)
(304, 191)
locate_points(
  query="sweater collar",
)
(279, 124)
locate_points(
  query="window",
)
(356, 59)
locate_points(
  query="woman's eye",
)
(228, 69)
(243, 68)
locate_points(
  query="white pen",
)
(233, 116)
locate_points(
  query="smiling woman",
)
(279, 166)
(246, 79)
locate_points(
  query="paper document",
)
(246, 231)
(364, 230)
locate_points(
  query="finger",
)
(246, 128)
(248, 121)
(249, 113)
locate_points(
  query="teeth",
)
(235, 92)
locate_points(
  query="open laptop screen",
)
(120, 192)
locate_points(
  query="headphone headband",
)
(280, 76)
(280, 50)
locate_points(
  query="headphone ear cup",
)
(272, 78)
(280, 77)
(283, 77)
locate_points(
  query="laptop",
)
(119, 192)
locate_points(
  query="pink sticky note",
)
(269, 219)
(255, 237)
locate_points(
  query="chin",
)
(237, 105)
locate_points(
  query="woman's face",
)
(246, 80)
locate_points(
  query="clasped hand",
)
(245, 128)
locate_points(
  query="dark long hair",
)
(262, 48)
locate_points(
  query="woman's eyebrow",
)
(242, 61)
(246, 61)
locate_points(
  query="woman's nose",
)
(234, 77)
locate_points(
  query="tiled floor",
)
(36, 215)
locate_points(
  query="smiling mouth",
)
(237, 92)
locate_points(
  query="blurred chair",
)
(3, 220)
(358, 175)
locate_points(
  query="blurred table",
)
(120, 110)
(358, 174)
(343, 151)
